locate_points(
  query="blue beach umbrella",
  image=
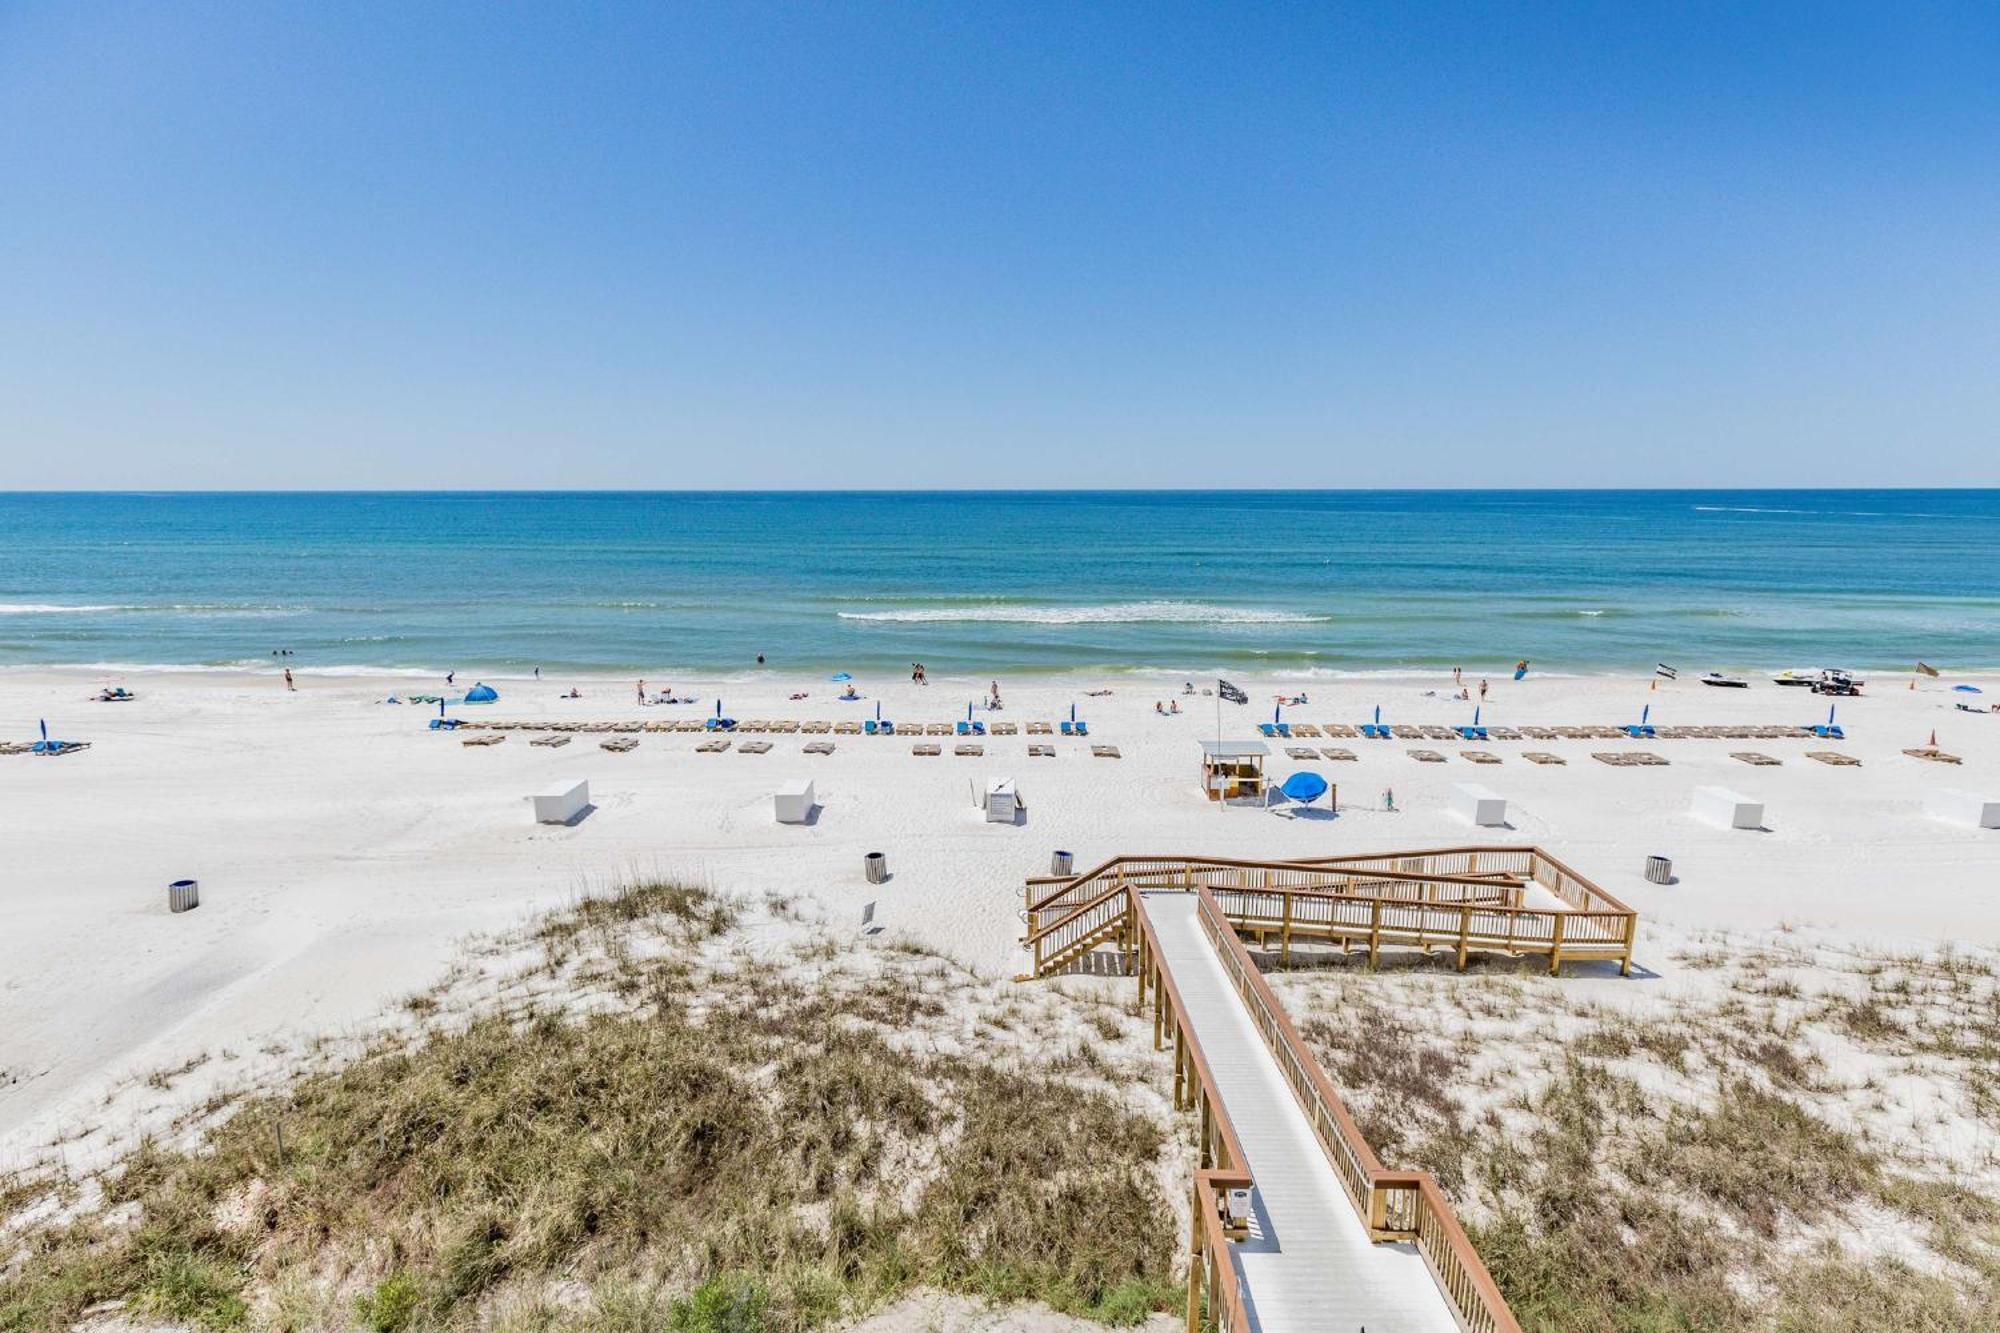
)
(968, 712)
(1304, 787)
(1967, 689)
(878, 710)
(1277, 715)
(1475, 715)
(1378, 715)
(840, 675)
(1645, 713)
(45, 731)
(1072, 710)
(1829, 714)
(718, 708)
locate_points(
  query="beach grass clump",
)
(1733, 1159)
(738, 1146)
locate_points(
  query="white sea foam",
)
(1115, 613)
(52, 609)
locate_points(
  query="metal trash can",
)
(877, 866)
(1062, 863)
(183, 895)
(1659, 870)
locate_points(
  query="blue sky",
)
(998, 245)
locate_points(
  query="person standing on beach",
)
(538, 673)
(1482, 690)
(1458, 675)
(288, 679)
(448, 676)
(642, 691)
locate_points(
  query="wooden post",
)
(1631, 937)
(1194, 1261)
(1374, 932)
(1556, 945)
(1288, 931)
(1464, 929)
(1180, 1068)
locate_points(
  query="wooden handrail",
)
(1457, 1267)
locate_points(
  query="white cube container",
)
(1956, 806)
(1000, 801)
(793, 802)
(1482, 805)
(561, 803)
(1726, 809)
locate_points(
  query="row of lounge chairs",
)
(722, 745)
(786, 727)
(1409, 731)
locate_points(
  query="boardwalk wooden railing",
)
(1462, 899)
(1220, 1166)
(1393, 1205)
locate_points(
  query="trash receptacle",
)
(1061, 863)
(1659, 870)
(877, 866)
(183, 895)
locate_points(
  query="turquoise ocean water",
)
(1310, 583)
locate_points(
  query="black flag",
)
(1231, 693)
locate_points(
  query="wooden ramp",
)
(1308, 1261)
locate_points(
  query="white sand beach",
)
(343, 850)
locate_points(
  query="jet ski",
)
(1725, 682)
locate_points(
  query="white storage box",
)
(562, 802)
(1726, 809)
(793, 803)
(1482, 805)
(1963, 807)
(1000, 801)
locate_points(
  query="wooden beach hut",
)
(1230, 769)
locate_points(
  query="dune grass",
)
(1730, 1162)
(711, 1143)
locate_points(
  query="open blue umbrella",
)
(840, 675)
(1304, 787)
(1967, 689)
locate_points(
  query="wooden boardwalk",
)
(1308, 1261)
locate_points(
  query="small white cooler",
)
(793, 802)
(562, 802)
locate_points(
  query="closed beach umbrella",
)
(1645, 713)
(1072, 710)
(1475, 715)
(878, 710)
(1378, 715)
(1304, 787)
(718, 708)
(45, 731)
(440, 706)
(968, 712)
(1277, 715)
(1829, 714)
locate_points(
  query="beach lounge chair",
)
(1472, 733)
(1268, 729)
(1827, 732)
(815, 728)
(443, 724)
(754, 747)
(1040, 729)
(1105, 751)
(552, 742)
(1833, 758)
(1754, 759)
(847, 728)
(484, 739)
(716, 746)
(1932, 753)
(58, 748)
(1306, 730)
(1427, 756)
(978, 728)
(1479, 756)
(871, 726)
(622, 744)
(1641, 733)
(1504, 733)
(1337, 755)
(946, 728)
(1301, 752)
(819, 747)
(1374, 731)
(926, 748)
(1340, 731)
(1041, 752)
(1543, 757)
(1284, 729)
(1006, 729)
(1069, 728)
(968, 749)
(1083, 728)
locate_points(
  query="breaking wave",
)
(1116, 613)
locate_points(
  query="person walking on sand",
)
(288, 679)
(642, 691)
(449, 676)
(1482, 690)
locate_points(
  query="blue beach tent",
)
(482, 693)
